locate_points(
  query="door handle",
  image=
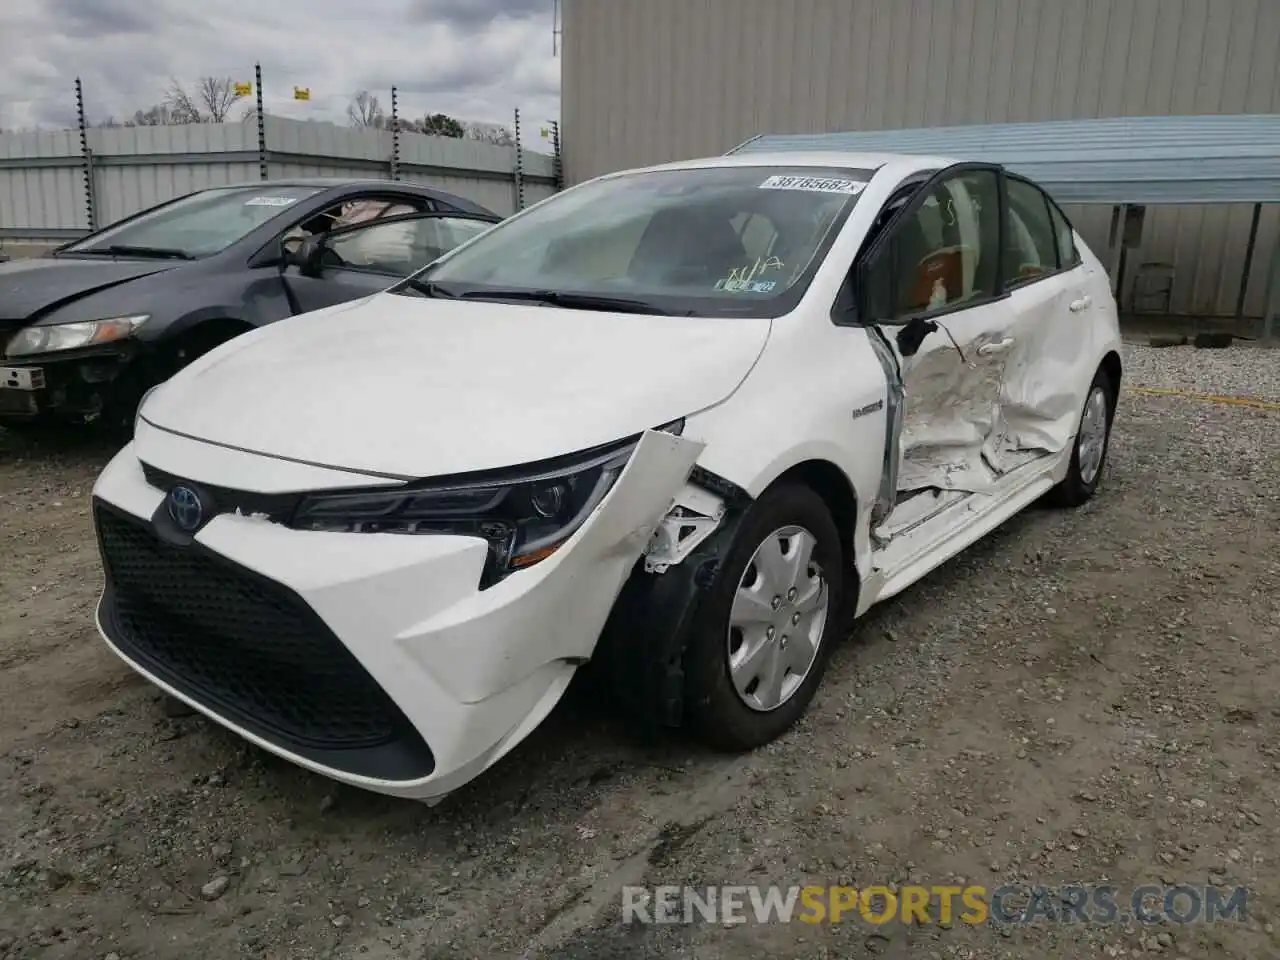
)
(999, 346)
(1082, 304)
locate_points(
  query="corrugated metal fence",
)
(46, 194)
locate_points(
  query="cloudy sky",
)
(473, 59)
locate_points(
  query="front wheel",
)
(764, 633)
(1089, 455)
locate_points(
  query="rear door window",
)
(1030, 246)
(1068, 255)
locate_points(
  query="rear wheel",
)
(765, 630)
(1089, 455)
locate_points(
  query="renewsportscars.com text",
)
(937, 904)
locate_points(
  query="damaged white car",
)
(671, 422)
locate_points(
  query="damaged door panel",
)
(1038, 402)
(1051, 301)
(932, 286)
(895, 409)
(952, 391)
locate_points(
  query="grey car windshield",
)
(200, 224)
(706, 241)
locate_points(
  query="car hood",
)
(31, 287)
(410, 387)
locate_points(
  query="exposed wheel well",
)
(1111, 365)
(205, 336)
(830, 483)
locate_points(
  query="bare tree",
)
(181, 106)
(219, 96)
(494, 133)
(211, 102)
(364, 110)
(155, 116)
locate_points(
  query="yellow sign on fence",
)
(302, 93)
(244, 89)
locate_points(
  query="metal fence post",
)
(86, 161)
(557, 162)
(262, 123)
(1249, 248)
(519, 169)
(1271, 301)
(395, 135)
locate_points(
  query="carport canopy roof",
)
(1123, 160)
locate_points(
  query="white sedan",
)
(674, 423)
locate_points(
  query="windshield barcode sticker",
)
(270, 201)
(746, 286)
(850, 188)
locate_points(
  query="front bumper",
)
(77, 387)
(374, 659)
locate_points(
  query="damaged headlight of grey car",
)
(524, 515)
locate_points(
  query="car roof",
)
(903, 163)
(344, 183)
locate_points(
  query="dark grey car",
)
(86, 330)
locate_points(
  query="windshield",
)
(197, 225)
(713, 241)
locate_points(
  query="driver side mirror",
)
(305, 253)
(874, 293)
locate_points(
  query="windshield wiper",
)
(570, 301)
(428, 288)
(158, 253)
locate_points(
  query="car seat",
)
(425, 247)
(680, 248)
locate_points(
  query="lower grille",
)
(249, 649)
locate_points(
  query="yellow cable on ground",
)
(1206, 397)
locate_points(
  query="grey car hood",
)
(30, 289)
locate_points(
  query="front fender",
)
(247, 301)
(162, 329)
(639, 659)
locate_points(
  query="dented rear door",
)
(1052, 358)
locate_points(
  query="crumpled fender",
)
(486, 643)
(639, 660)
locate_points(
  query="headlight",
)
(70, 336)
(524, 518)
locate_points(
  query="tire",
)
(717, 712)
(1079, 484)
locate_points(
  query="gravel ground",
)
(1237, 372)
(1083, 697)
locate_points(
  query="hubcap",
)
(1093, 435)
(777, 621)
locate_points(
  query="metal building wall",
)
(646, 81)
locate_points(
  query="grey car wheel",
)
(778, 619)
